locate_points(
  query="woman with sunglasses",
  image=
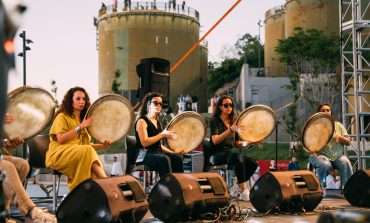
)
(224, 139)
(148, 133)
(331, 156)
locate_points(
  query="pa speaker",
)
(154, 76)
(357, 189)
(181, 196)
(287, 191)
(116, 199)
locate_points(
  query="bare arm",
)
(141, 128)
(64, 137)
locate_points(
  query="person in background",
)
(331, 180)
(332, 155)
(115, 167)
(224, 138)
(293, 164)
(70, 151)
(149, 133)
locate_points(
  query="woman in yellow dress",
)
(70, 151)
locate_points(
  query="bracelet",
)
(78, 129)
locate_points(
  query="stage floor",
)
(332, 203)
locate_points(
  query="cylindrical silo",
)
(274, 30)
(149, 29)
(312, 14)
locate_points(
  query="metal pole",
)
(24, 58)
(259, 46)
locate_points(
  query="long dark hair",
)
(325, 104)
(143, 110)
(217, 111)
(67, 104)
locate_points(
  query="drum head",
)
(317, 132)
(190, 128)
(258, 121)
(113, 117)
(33, 108)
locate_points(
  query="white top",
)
(115, 168)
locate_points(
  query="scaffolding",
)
(355, 75)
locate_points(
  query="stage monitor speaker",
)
(357, 189)
(115, 199)
(154, 74)
(183, 196)
(345, 216)
(286, 191)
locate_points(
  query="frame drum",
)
(317, 132)
(33, 108)
(190, 128)
(258, 121)
(113, 116)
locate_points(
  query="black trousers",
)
(244, 166)
(164, 163)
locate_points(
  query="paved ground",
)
(334, 203)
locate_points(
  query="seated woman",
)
(70, 151)
(148, 133)
(333, 153)
(223, 139)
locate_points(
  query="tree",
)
(312, 58)
(116, 83)
(248, 48)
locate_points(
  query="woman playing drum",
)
(332, 156)
(148, 132)
(223, 139)
(70, 151)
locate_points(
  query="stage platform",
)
(334, 202)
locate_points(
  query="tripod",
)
(276, 139)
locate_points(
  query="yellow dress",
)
(74, 158)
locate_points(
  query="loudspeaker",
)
(181, 196)
(345, 216)
(154, 76)
(357, 189)
(115, 199)
(287, 191)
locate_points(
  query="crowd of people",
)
(187, 103)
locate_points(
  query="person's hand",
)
(106, 144)
(182, 152)
(8, 118)
(169, 134)
(337, 138)
(87, 122)
(14, 142)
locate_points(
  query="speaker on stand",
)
(115, 199)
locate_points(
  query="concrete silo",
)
(312, 14)
(129, 33)
(274, 30)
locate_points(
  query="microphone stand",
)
(276, 139)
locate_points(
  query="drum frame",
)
(266, 108)
(101, 100)
(312, 118)
(22, 89)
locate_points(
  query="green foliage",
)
(116, 82)
(54, 90)
(220, 73)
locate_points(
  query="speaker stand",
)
(295, 137)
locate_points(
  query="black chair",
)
(37, 147)
(208, 165)
(131, 164)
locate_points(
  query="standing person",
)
(70, 151)
(183, 6)
(194, 105)
(293, 164)
(16, 170)
(223, 139)
(333, 152)
(115, 167)
(149, 133)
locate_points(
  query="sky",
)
(64, 37)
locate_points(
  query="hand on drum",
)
(9, 119)
(169, 134)
(14, 142)
(106, 144)
(87, 122)
(182, 152)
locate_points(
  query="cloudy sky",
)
(64, 37)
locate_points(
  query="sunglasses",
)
(156, 103)
(227, 105)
